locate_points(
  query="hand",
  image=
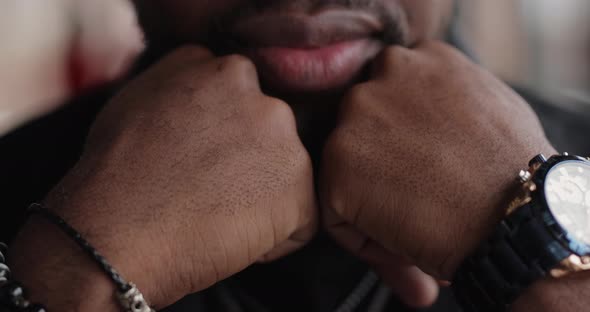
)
(189, 175)
(71, 45)
(421, 162)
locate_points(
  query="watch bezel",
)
(541, 207)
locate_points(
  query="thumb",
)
(412, 286)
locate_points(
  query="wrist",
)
(538, 254)
(162, 268)
(496, 188)
(138, 254)
(56, 273)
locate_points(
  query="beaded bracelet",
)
(130, 298)
(12, 294)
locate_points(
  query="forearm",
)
(56, 273)
(568, 294)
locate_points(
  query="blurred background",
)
(543, 45)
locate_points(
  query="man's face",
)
(297, 45)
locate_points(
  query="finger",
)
(307, 217)
(346, 235)
(394, 61)
(295, 242)
(386, 63)
(413, 287)
(435, 49)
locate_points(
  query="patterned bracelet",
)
(130, 298)
(12, 294)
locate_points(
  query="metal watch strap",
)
(520, 251)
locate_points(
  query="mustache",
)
(389, 13)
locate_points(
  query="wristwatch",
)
(546, 232)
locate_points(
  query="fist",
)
(52, 49)
(421, 162)
(194, 169)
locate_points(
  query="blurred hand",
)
(189, 175)
(421, 162)
(52, 49)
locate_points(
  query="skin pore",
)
(173, 22)
(185, 157)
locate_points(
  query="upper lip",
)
(304, 31)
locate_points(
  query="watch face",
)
(567, 190)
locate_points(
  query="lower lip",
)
(314, 69)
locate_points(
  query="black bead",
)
(4, 270)
(2, 258)
(35, 308)
(3, 248)
(12, 293)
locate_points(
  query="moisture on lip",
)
(314, 69)
(322, 51)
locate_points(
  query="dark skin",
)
(193, 156)
(230, 155)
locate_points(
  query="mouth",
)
(309, 53)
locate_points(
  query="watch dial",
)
(567, 189)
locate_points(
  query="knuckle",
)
(432, 45)
(239, 71)
(394, 54)
(290, 151)
(280, 110)
(335, 183)
(356, 98)
(396, 60)
(277, 114)
(359, 92)
(440, 50)
(296, 167)
(236, 63)
(273, 120)
(303, 160)
(393, 50)
(335, 199)
(337, 145)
